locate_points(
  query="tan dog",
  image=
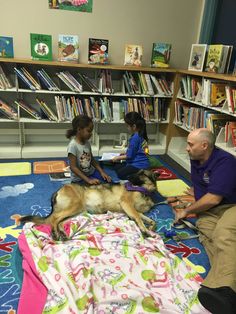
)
(73, 199)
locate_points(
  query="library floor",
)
(31, 193)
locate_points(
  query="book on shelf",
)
(229, 133)
(8, 111)
(27, 78)
(215, 121)
(6, 47)
(68, 48)
(46, 80)
(89, 82)
(48, 113)
(98, 51)
(197, 57)
(217, 94)
(105, 82)
(28, 108)
(161, 55)
(225, 59)
(4, 81)
(41, 47)
(214, 58)
(60, 176)
(133, 55)
(70, 81)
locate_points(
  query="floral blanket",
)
(108, 267)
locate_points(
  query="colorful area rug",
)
(31, 194)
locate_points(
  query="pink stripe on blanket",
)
(33, 293)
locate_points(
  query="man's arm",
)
(206, 202)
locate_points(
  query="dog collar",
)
(130, 187)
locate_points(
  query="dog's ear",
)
(152, 175)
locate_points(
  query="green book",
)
(41, 47)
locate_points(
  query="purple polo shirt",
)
(217, 176)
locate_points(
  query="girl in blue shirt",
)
(136, 155)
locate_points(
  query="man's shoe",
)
(218, 300)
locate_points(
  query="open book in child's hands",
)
(108, 156)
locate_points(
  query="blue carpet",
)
(31, 194)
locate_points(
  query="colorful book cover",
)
(72, 5)
(214, 58)
(41, 47)
(68, 48)
(161, 55)
(197, 57)
(6, 47)
(98, 51)
(133, 55)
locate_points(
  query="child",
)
(135, 157)
(84, 168)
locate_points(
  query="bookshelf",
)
(192, 109)
(28, 137)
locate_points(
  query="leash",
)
(183, 225)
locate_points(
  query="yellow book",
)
(174, 187)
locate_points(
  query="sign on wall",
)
(72, 5)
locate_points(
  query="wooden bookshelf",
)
(44, 138)
(178, 132)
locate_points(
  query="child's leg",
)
(96, 175)
(123, 172)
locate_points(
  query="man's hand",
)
(189, 191)
(180, 214)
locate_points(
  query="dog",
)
(73, 199)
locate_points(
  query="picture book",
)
(197, 57)
(29, 109)
(133, 55)
(59, 176)
(160, 55)
(6, 47)
(98, 51)
(214, 58)
(68, 48)
(41, 47)
(72, 5)
(8, 111)
(217, 94)
(108, 156)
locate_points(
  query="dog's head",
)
(145, 178)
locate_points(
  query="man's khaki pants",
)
(217, 228)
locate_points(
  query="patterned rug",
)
(31, 194)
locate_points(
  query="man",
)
(213, 174)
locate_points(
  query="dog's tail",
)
(38, 220)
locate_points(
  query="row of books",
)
(108, 110)
(140, 83)
(210, 58)
(147, 84)
(194, 117)
(99, 109)
(68, 50)
(4, 81)
(208, 92)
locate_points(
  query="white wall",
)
(120, 21)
